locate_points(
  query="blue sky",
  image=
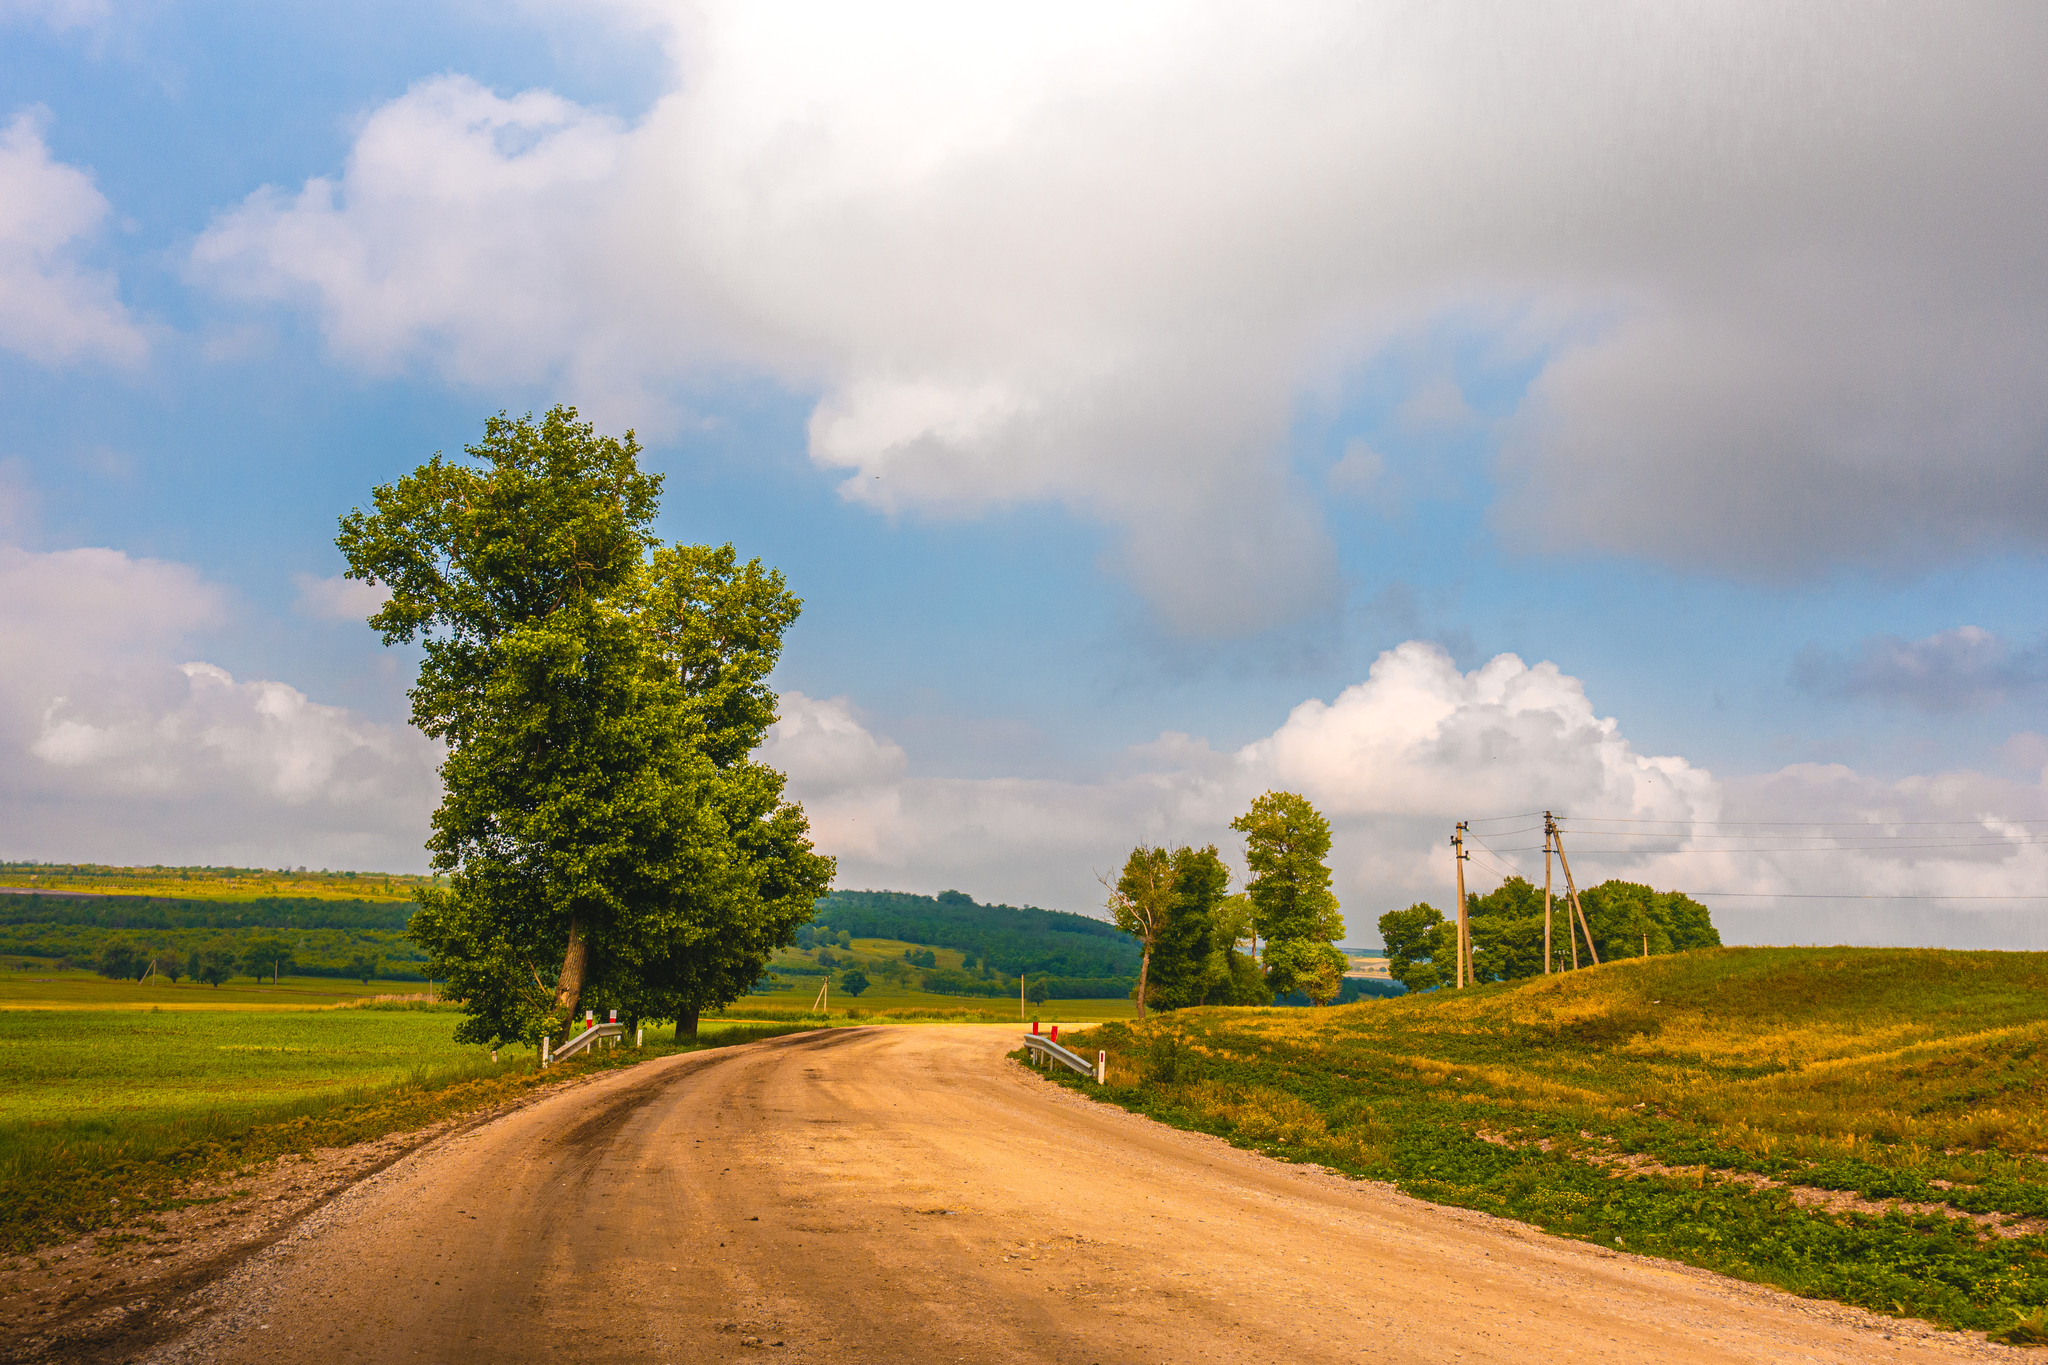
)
(1117, 375)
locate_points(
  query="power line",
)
(1855, 896)
(1816, 848)
(1634, 820)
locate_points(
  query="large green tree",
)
(598, 694)
(1293, 909)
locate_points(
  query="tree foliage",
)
(599, 695)
(1293, 908)
(1627, 919)
(1192, 956)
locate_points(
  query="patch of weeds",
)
(2031, 1330)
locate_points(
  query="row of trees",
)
(607, 838)
(1177, 903)
(1627, 919)
(120, 961)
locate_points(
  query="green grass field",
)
(1750, 1110)
(45, 988)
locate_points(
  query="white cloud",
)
(338, 598)
(1778, 262)
(1398, 759)
(53, 308)
(61, 15)
(111, 748)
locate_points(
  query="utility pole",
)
(1572, 889)
(1549, 829)
(1464, 928)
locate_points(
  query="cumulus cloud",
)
(53, 308)
(1398, 759)
(1966, 669)
(1394, 761)
(1775, 266)
(117, 747)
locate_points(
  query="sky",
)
(1447, 412)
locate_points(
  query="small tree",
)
(362, 968)
(168, 964)
(215, 966)
(266, 957)
(854, 982)
(121, 962)
(1141, 904)
(1038, 992)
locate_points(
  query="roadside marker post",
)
(544, 1049)
(639, 1037)
(1102, 1068)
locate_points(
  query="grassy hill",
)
(1852, 1123)
(985, 948)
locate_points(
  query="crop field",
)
(1858, 1124)
(209, 883)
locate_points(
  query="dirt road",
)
(905, 1194)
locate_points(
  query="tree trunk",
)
(1144, 971)
(569, 990)
(686, 1025)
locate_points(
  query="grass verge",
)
(1864, 1125)
(59, 1181)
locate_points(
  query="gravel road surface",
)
(908, 1195)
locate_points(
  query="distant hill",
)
(1015, 940)
(174, 912)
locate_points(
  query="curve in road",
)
(907, 1194)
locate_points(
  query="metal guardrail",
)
(1049, 1052)
(581, 1042)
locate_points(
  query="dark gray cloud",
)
(1966, 669)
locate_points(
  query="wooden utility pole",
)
(1572, 890)
(1464, 928)
(1549, 828)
